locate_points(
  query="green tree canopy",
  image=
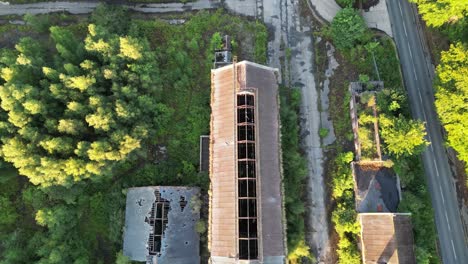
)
(8, 213)
(348, 28)
(403, 137)
(74, 112)
(346, 3)
(452, 97)
(439, 12)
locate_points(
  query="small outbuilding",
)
(160, 225)
(387, 238)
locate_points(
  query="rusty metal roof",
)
(387, 238)
(226, 82)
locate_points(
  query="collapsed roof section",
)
(160, 225)
(387, 238)
(376, 187)
(246, 206)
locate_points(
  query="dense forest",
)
(92, 106)
(450, 17)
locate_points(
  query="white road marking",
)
(453, 249)
(448, 224)
(414, 73)
(401, 11)
(420, 97)
(442, 194)
(437, 170)
(409, 48)
(404, 27)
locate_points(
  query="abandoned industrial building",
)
(160, 225)
(246, 219)
(386, 236)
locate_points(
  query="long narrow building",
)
(246, 222)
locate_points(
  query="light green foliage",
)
(342, 181)
(295, 173)
(299, 252)
(403, 136)
(364, 78)
(93, 121)
(122, 259)
(452, 97)
(344, 214)
(323, 132)
(200, 227)
(348, 29)
(196, 204)
(439, 12)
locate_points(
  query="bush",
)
(261, 42)
(346, 3)
(344, 216)
(294, 174)
(348, 29)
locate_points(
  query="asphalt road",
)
(453, 248)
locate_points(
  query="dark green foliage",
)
(346, 3)
(8, 213)
(261, 42)
(113, 18)
(384, 52)
(348, 29)
(38, 23)
(294, 173)
(416, 200)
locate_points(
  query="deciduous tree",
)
(348, 28)
(72, 113)
(452, 97)
(439, 12)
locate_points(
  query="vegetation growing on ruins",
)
(395, 123)
(135, 94)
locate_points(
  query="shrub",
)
(348, 29)
(346, 3)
